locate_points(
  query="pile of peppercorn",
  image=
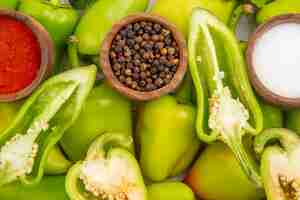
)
(144, 56)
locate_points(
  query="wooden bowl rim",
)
(47, 54)
(260, 88)
(138, 95)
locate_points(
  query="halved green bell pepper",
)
(227, 106)
(280, 163)
(58, 19)
(40, 124)
(109, 171)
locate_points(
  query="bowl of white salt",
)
(273, 58)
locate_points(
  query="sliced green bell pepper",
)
(50, 188)
(98, 20)
(280, 163)
(56, 162)
(58, 19)
(109, 171)
(40, 124)
(227, 106)
(10, 4)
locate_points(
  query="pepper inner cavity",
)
(109, 179)
(290, 187)
(144, 56)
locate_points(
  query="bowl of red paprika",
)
(26, 55)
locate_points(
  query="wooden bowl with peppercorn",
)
(144, 57)
(27, 55)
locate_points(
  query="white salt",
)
(277, 59)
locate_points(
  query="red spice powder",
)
(20, 55)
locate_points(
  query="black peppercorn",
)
(144, 56)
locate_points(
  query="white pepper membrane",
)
(276, 58)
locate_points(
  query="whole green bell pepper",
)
(166, 135)
(98, 20)
(172, 9)
(280, 163)
(58, 19)
(217, 175)
(227, 106)
(170, 190)
(50, 188)
(278, 7)
(105, 110)
(109, 171)
(11, 4)
(40, 124)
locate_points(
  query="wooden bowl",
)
(260, 88)
(123, 89)
(47, 54)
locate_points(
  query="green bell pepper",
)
(280, 163)
(278, 7)
(170, 190)
(56, 162)
(105, 110)
(40, 124)
(58, 19)
(109, 171)
(273, 116)
(98, 20)
(217, 175)
(10, 4)
(51, 187)
(171, 9)
(227, 106)
(166, 135)
(7, 113)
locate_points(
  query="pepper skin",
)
(273, 116)
(90, 33)
(166, 137)
(279, 163)
(217, 175)
(171, 9)
(278, 7)
(58, 19)
(50, 188)
(170, 190)
(105, 110)
(109, 171)
(40, 124)
(10, 4)
(227, 107)
(7, 113)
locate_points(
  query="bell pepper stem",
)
(73, 52)
(288, 139)
(235, 144)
